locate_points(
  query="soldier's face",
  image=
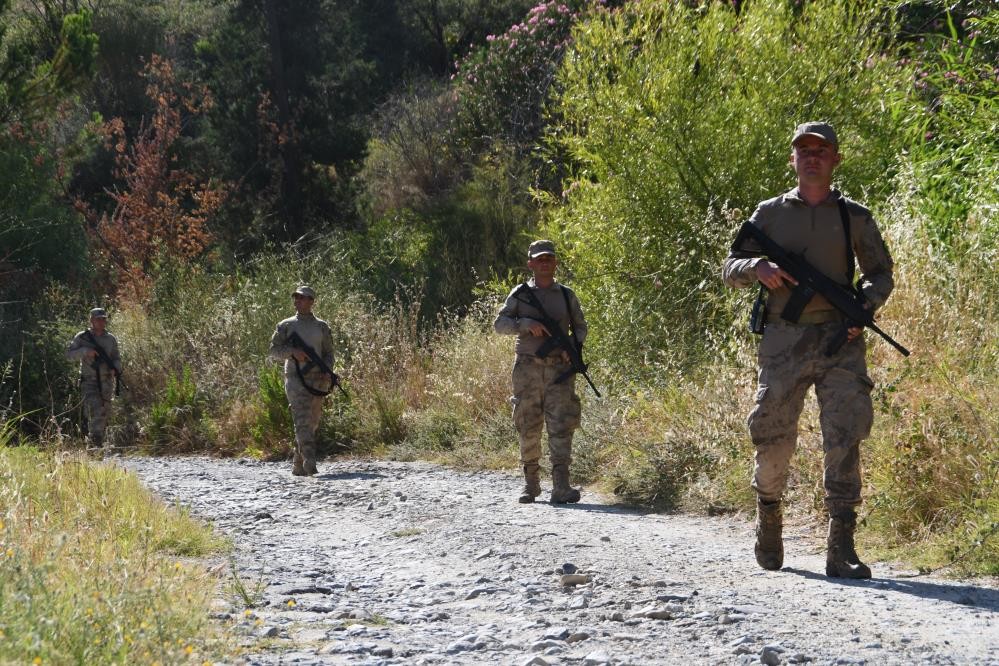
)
(543, 265)
(814, 160)
(303, 304)
(98, 325)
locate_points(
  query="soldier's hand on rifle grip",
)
(773, 276)
(300, 355)
(538, 329)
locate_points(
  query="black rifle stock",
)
(558, 339)
(296, 341)
(811, 281)
(102, 357)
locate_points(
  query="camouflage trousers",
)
(792, 358)
(306, 410)
(539, 402)
(97, 406)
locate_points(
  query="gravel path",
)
(377, 562)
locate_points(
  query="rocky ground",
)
(377, 562)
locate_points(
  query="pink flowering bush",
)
(502, 88)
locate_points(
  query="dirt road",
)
(408, 563)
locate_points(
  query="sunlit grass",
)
(93, 570)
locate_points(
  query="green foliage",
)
(503, 87)
(175, 420)
(954, 156)
(89, 569)
(679, 118)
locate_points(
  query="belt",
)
(555, 358)
(813, 317)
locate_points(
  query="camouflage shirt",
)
(89, 366)
(516, 316)
(817, 234)
(314, 332)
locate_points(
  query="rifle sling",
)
(301, 377)
(535, 302)
(102, 357)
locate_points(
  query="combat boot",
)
(562, 492)
(841, 555)
(298, 467)
(532, 484)
(769, 547)
(310, 467)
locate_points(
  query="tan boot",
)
(298, 467)
(532, 484)
(562, 492)
(841, 555)
(769, 547)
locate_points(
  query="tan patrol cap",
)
(820, 130)
(305, 291)
(540, 247)
(98, 313)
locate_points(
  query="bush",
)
(679, 118)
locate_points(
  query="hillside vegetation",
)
(401, 168)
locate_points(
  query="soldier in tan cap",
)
(100, 372)
(833, 234)
(539, 399)
(305, 382)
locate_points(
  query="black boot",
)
(841, 555)
(532, 484)
(769, 528)
(562, 492)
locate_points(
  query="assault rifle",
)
(558, 339)
(848, 301)
(102, 357)
(314, 359)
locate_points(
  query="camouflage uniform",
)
(97, 381)
(537, 400)
(792, 356)
(306, 408)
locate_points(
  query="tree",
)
(161, 211)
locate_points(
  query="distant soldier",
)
(100, 372)
(305, 382)
(539, 400)
(832, 233)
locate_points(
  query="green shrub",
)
(175, 421)
(679, 119)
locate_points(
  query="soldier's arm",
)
(578, 319)
(77, 350)
(280, 350)
(115, 355)
(877, 268)
(508, 321)
(326, 353)
(739, 269)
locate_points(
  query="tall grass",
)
(94, 570)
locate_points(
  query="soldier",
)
(305, 383)
(830, 231)
(537, 399)
(100, 372)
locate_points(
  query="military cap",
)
(820, 130)
(305, 291)
(540, 247)
(98, 313)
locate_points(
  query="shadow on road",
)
(619, 509)
(957, 593)
(347, 476)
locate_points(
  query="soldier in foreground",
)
(829, 231)
(100, 373)
(543, 388)
(306, 382)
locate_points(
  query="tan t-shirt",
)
(516, 316)
(817, 234)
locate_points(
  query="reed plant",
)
(93, 570)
